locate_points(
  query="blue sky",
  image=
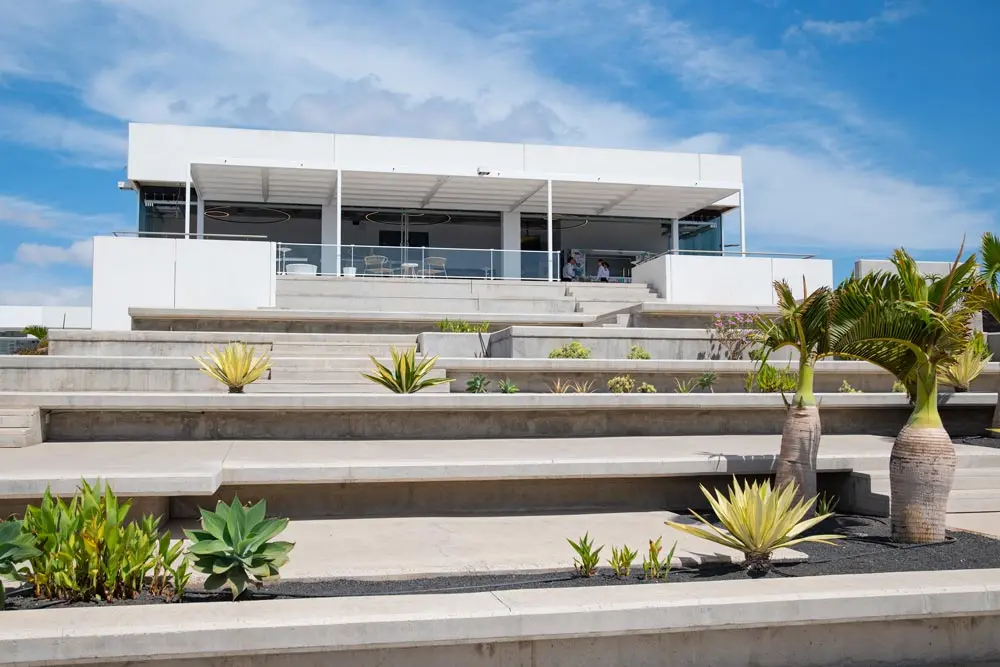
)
(862, 124)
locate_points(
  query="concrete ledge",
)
(317, 321)
(554, 627)
(663, 314)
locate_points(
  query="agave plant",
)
(234, 546)
(757, 520)
(234, 365)
(16, 547)
(804, 326)
(912, 325)
(967, 365)
(407, 375)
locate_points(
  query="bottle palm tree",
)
(910, 324)
(988, 295)
(804, 326)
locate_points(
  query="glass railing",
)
(413, 262)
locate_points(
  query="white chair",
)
(301, 269)
(377, 265)
(435, 266)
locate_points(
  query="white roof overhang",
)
(573, 195)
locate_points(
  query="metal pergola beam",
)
(265, 184)
(433, 191)
(618, 200)
(521, 201)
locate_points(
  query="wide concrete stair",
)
(20, 427)
(976, 488)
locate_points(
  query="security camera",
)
(125, 185)
(483, 171)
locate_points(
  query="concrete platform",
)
(911, 618)
(659, 314)
(417, 547)
(985, 523)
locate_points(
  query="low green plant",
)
(235, 546)
(899, 388)
(407, 375)
(637, 352)
(87, 549)
(587, 558)
(653, 565)
(684, 386)
(646, 388)
(772, 380)
(621, 560)
(846, 388)
(477, 385)
(968, 365)
(41, 334)
(16, 547)
(560, 387)
(707, 381)
(461, 326)
(756, 521)
(826, 504)
(621, 384)
(234, 365)
(574, 350)
(582, 387)
(507, 387)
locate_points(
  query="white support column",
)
(675, 237)
(331, 233)
(548, 191)
(187, 208)
(338, 221)
(743, 227)
(200, 220)
(510, 242)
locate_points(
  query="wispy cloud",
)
(95, 146)
(78, 253)
(49, 220)
(856, 30)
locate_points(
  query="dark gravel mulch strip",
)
(867, 549)
(979, 441)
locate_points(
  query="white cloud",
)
(63, 295)
(853, 31)
(79, 253)
(93, 146)
(20, 212)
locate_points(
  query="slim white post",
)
(200, 221)
(548, 190)
(337, 220)
(187, 208)
(675, 237)
(743, 227)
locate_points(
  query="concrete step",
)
(601, 307)
(342, 350)
(357, 386)
(444, 306)
(20, 427)
(416, 288)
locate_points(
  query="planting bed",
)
(867, 549)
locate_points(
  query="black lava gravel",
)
(866, 549)
(979, 441)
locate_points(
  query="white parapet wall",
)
(178, 273)
(736, 281)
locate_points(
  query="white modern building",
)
(222, 213)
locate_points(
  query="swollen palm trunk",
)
(995, 432)
(921, 472)
(799, 446)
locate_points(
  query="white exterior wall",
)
(53, 317)
(178, 273)
(728, 281)
(162, 153)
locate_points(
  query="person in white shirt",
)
(603, 271)
(569, 271)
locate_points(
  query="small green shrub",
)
(574, 350)
(684, 386)
(653, 565)
(507, 387)
(771, 380)
(621, 560)
(41, 334)
(461, 326)
(646, 388)
(968, 365)
(898, 387)
(587, 558)
(234, 365)
(621, 384)
(477, 385)
(846, 388)
(407, 376)
(636, 352)
(235, 546)
(707, 381)
(16, 546)
(88, 550)
(826, 504)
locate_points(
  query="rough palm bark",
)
(799, 447)
(921, 471)
(994, 431)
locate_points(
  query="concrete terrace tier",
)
(912, 618)
(662, 315)
(319, 321)
(218, 416)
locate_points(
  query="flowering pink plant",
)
(733, 331)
